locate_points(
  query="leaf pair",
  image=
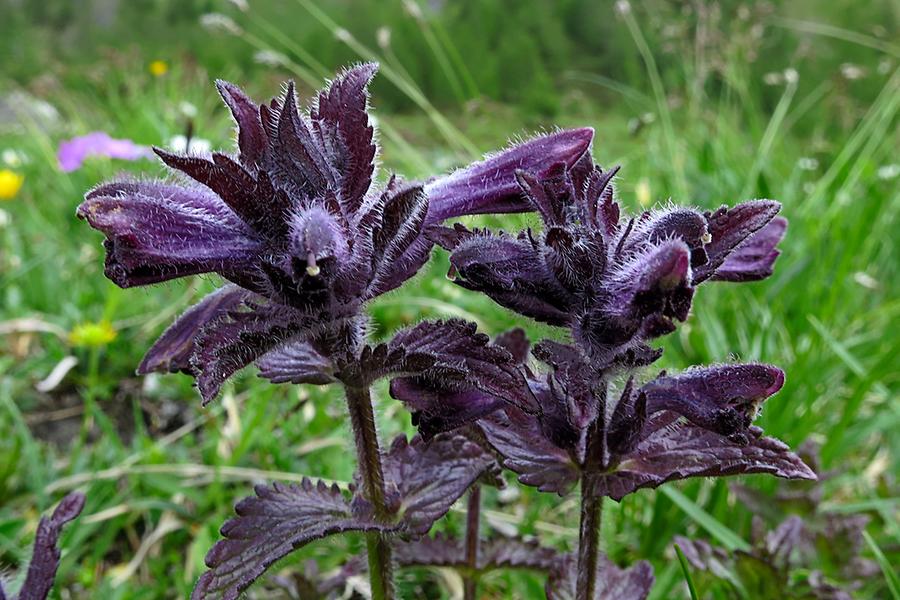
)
(422, 482)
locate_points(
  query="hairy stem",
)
(473, 514)
(591, 509)
(588, 540)
(362, 418)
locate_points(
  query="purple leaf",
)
(172, 351)
(490, 186)
(422, 480)
(268, 527)
(399, 249)
(296, 362)
(241, 337)
(341, 115)
(704, 556)
(157, 232)
(613, 583)
(519, 439)
(754, 259)
(516, 343)
(252, 139)
(468, 377)
(299, 161)
(672, 449)
(729, 227)
(430, 476)
(45, 557)
(724, 399)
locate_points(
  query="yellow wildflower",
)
(158, 68)
(92, 335)
(10, 184)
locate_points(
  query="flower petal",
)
(438, 410)
(156, 232)
(729, 227)
(753, 260)
(490, 186)
(512, 272)
(723, 398)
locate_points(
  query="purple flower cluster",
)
(295, 222)
(305, 237)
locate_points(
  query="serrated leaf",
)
(518, 438)
(672, 449)
(422, 481)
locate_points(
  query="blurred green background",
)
(701, 102)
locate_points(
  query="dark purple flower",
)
(72, 153)
(614, 281)
(295, 221)
(698, 423)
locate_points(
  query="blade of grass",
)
(659, 92)
(418, 15)
(890, 575)
(727, 537)
(687, 573)
(763, 153)
(447, 129)
(838, 33)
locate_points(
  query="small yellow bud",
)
(158, 68)
(92, 335)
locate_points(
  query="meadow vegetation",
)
(703, 103)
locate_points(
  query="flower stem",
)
(362, 419)
(473, 514)
(588, 540)
(591, 512)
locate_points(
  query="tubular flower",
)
(614, 280)
(295, 222)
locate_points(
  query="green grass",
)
(162, 474)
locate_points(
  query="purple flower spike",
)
(72, 153)
(614, 281)
(297, 224)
